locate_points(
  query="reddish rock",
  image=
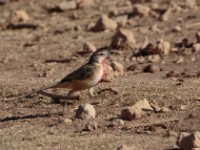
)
(89, 47)
(198, 37)
(131, 67)
(19, 16)
(91, 126)
(153, 58)
(189, 141)
(141, 10)
(117, 68)
(123, 38)
(143, 104)
(84, 3)
(131, 113)
(105, 23)
(177, 29)
(121, 20)
(164, 47)
(85, 111)
(123, 147)
(166, 14)
(196, 47)
(153, 68)
(164, 110)
(67, 5)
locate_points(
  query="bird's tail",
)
(38, 90)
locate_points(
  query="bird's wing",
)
(79, 74)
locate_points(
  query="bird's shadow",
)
(31, 116)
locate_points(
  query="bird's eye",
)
(101, 54)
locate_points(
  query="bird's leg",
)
(65, 103)
(91, 92)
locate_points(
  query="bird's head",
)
(99, 56)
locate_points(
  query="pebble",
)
(189, 141)
(104, 23)
(117, 68)
(19, 16)
(153, 68)
(85, 111)
(83, 4)
(89, 47)
(141, 10)
(196, 47)
(123, 147)
(131, 113)
(123, 38)
(91, 126)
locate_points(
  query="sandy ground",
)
(36, 123)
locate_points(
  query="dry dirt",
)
(36, 122)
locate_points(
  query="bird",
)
(85, 77)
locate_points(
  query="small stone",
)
(191, 4)
(117, 123)
(91, 126)
(75, 15)
(89, 47)
(183, 107)
(113, 12)
(180, 60)
(117, 68)
(67, 121)
(198, 37)
(123, 3)
(141, 59)
(104, 23)
(141, 10)
(155, 28)
(166, 14)
(123, 38)
(84, 3)
(49, 72)
(121, 20)
(173, 74)
(131, 113)
(164, 47)
(132, 67)
(153, 58)
(85, 111)
(153, 68)
(193, 59)
(123, 147)
(196, 47)
(67, 5)
(19, 16)
(109, 73)
(174, 49)
(189, 141)
(172, 133)
(143, 104)
(176, 29)
(155, 106)
(90, 26)
(164, 110)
